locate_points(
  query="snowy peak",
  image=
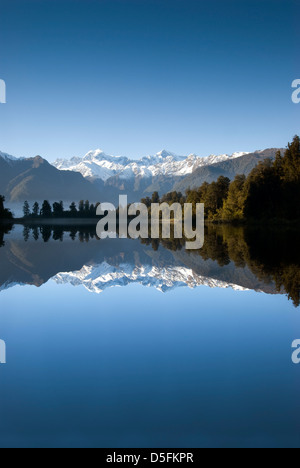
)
(7, 157)
(164, 154)
(97, 278)
(99, 165)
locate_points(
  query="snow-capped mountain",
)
(98, 165)
(8, 157)
(100, 277)
(102, 177)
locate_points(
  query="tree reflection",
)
(4, 229)
(272, 255)
(57, 232)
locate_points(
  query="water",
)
(199, 358)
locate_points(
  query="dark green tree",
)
(291, 161)
(36, 209)
(26, 209)
(173, 197)
(263, 192)
(81, 206)
(58, 209)
(87, 206)
(73, 209)
(46, 211)
(146, 201)
(234, 205)
(155, 198)
(92, 210)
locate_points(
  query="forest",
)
(270, 192)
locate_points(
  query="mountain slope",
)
(116, 175)
(36, 179)
(98, 165)
(229, 168)
(100, 177)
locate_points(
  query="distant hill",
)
(229, 168)
(36, 179)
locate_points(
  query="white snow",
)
(97, 278)
(7, 157)
(97, 164)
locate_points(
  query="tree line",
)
(57, 210)
(271, 191)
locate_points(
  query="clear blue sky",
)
(135, 76)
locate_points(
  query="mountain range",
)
(99, 265)
(101, 177)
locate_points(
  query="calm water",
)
(119, 343)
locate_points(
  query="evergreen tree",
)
(233, 208)
(173, 197)
(263, 192)
(46, 210)
(36, 209)
(215, 196)
(81, 206)
(87, 206)
(58, 209)
(92, 210)
(291, 161)
(146, 201)
(96, 207)
(155, 198)
(26, 209)
(73, 209)
(278, 165)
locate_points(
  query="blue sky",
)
(134, 76)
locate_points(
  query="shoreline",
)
(93, 221)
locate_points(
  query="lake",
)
(128, 343)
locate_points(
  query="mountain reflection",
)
(266, 260)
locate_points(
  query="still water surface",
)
(193, 350)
